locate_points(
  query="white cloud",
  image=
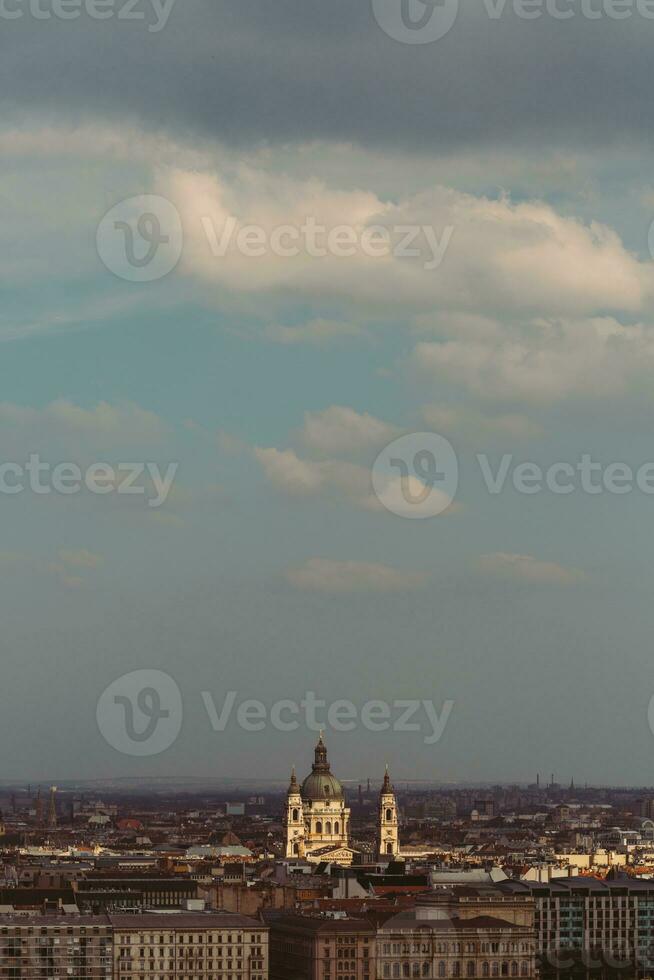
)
(525, 568)
(516, 259)
(474, 426)
(317, 332)
(100, 427)
(289, 473)
(341, 429)
(338, 479)
(68, 570)
(324, 575)
(543, 361)
(81, 558)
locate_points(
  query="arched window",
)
(389, 816)
(396, 970)
(328, 827)
(296, 815)
(389, 848)
(441, 969)
(485, 969)
(470, 969)
(514, 969)
(319, 826)
(406, 970)
(524, 969)
(296, 849)
(336, 830)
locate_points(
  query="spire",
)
(388, 786)
(294, 787)
(322, 763)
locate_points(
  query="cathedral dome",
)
(321, 785)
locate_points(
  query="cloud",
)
(475, 427)
(544, 361)
(288, 100)
(288, 472)
(316, 332)
(338, 479)
(340, 429)
(81, 558)
(323, 575)
(525, 568)
(68, 570)
(501, 257)
(101, 427)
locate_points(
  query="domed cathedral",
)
(317, 820)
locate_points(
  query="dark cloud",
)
(250, 71)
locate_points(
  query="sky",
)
(515, 621)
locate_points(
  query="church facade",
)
(317, 818)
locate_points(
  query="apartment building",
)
(319, 947)
(429, 942)
(184, 946)
(97, 893)
(55, 947)
(147, 946)
(604, 925)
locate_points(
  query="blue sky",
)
(274, 382)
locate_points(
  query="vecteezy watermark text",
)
(43, 478)
(141, 713)
(141, 239)
(427, 21)
(318, 241)
(342, 715)
(416, 476)
(153, 13)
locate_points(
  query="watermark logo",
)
(421, 716)
(141, 239)
(141, 713)
(153, 13)
(417, 475)
(315, 240)
(147, 480)
(416, 21)
(426, 21)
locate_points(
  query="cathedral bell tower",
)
(294, 820)
(389, 839)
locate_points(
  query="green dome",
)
(321, 785)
